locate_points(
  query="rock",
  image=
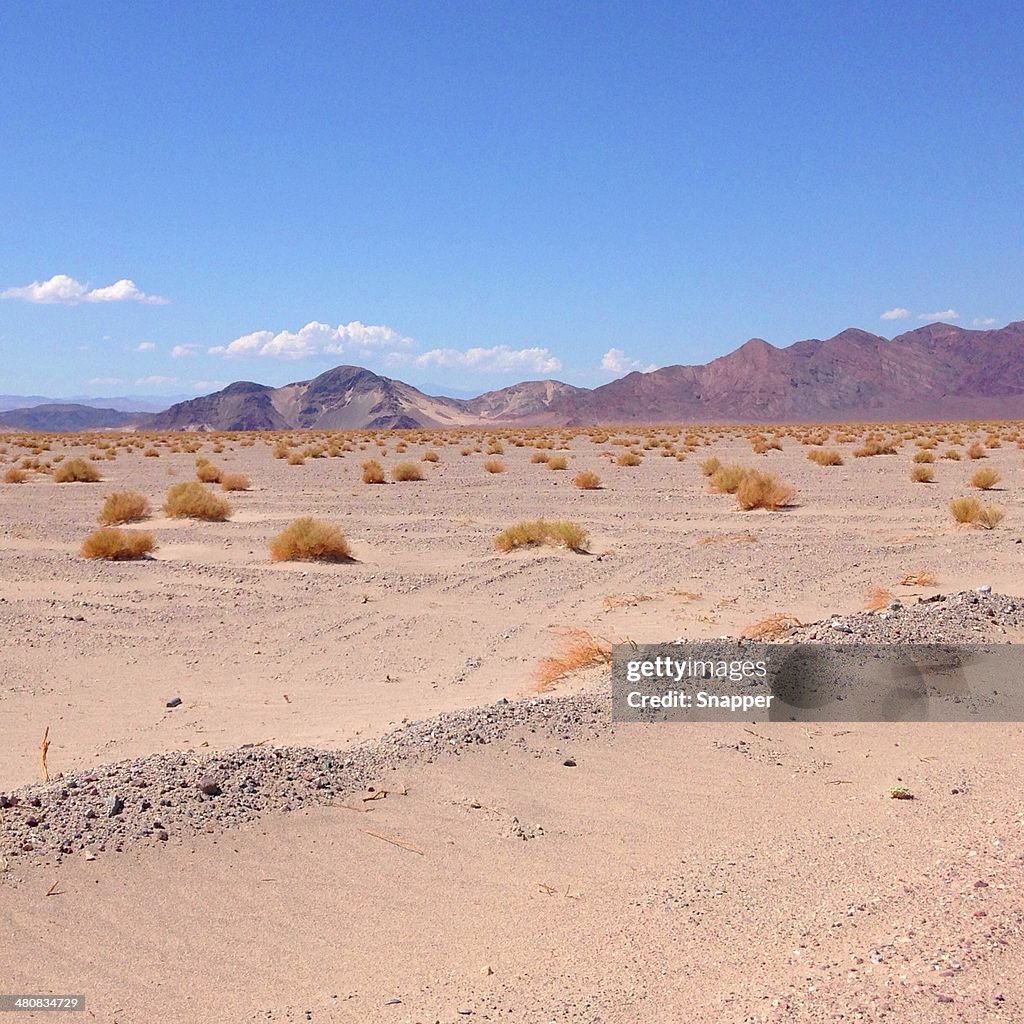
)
(114, 805)
(569, 763)
(985, 589)
(486, 970)
(841, 627)
(209, 786)
(174, 702)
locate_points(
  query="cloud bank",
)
(352, 339)
(61, 290)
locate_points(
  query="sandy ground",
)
(678, 873)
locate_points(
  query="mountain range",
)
(938, 371)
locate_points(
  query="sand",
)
(676, 873)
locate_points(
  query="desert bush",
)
(207, 472)
(124, 507)
(727, 479)
(431, 456)
(874, 447)
(542, 531)
(922, 474)
(985, 479)
(629, 459)
(494, 466)
(762, 490)
(76, 471)
(587, 481)
(405, 472)
(373, 472)
(710, 466)
(310, 540)
(117, 545)
(924, 457)
(990, 517)
(234, 482)
(976, 451)
(151, 453)
(558, 462)
(296, 459)
(825, 457)
(194, 501)
(15, 475)
(539, 457)
(951, 453)
(578, 650)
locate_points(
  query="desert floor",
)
(676, 873)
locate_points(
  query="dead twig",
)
(44, 747)
(394, 841)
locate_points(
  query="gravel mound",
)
(154, 799)
(173, 796)
(966, 617)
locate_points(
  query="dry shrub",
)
(922, 474)
(924, 457)
(536, 532)
(558, 462)
(746, 537)
(587, 481)
(234, 482)
(878, 598)
(727, 479)
(923, 578)
(538, 457)
(15, 475)
(825, 457)
(951, 453)
(771, 628)
(874, 447)
(985, 479)
(310, 540)
(124, 507)
(373, 472)
(976, 451)
(710, 466)
(613, 601)
(629, 459)
(151, 453)
(578, 649)
(494, 466)
(405, 472)
(117, 545)
(207, 472)
(972, 512)
(296, 459)
(763, 490)
(194, 501)
(76, 471)
(431, 457)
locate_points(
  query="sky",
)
(463, 195)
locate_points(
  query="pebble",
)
(114, 805)
(174, 702)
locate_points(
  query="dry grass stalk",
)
(578, 649)
(771, 627)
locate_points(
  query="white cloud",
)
(353, 339)
(104, 382)
(209, 385)
(616, 361)
(498, 359)
(896, 313)
(943, 314)
(181, 351)
(146, 346)
(66, 291)
(156, 381)
(984, 321)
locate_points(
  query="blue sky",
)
(464, 194)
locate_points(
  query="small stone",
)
(162, 836)
(841, 627)
(985, 589)
(174, 702)
(114, 805)
(981, 884)
(209, 786)
(486, 970)
(569, 763)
